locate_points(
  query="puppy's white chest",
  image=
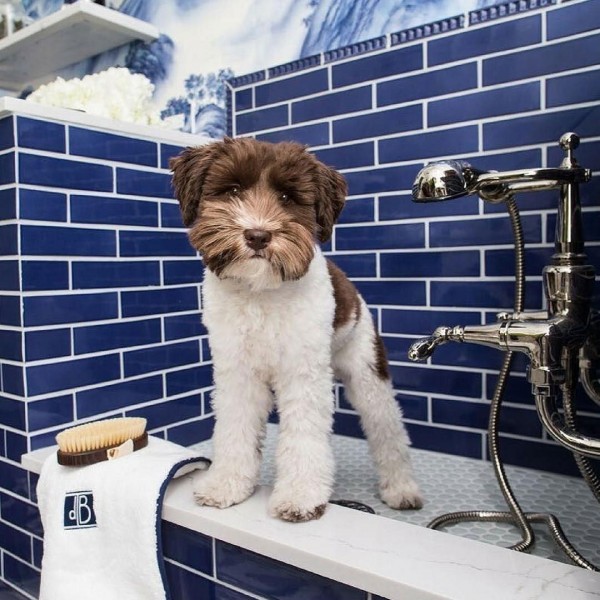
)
(270, 328)
(244, 319)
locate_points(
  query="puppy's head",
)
(256, 209)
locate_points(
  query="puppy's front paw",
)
(402, 495)
(298, 507)
(221, 491)
(293, 512)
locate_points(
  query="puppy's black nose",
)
(257, 239)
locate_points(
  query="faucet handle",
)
(568, 142)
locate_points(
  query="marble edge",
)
(390, 558)
(34, 460)
(10, 105)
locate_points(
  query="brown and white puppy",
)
(282, 321)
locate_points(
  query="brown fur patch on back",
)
(347, 304)
(347, 309)
(381, 364)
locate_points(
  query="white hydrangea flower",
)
(115, 94)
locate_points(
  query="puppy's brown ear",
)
(189, 170)
(331, 196)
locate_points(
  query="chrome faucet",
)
(551, 339)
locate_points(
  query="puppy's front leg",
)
(305, 467)
(241, 404)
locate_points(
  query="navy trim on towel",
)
(159, 545)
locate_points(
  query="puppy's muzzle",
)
(257, 239)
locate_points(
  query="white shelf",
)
(16, 106)
(76, 32)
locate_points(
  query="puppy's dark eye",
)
(234, 190)
(285, 198)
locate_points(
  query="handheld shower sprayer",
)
(447, 180)
(450, 179)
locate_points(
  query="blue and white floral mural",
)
(205, 42)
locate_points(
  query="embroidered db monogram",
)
(79, 510)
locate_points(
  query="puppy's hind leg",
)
(362, 367)
(241, 403)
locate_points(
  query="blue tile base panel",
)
(7, 593)
(190, 557)
(202, 567)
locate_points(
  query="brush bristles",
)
(101, 434)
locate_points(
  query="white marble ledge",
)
(10, 105)
(390, 558)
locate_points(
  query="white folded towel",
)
(101, 523)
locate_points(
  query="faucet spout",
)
(488, 335)
(424, 348)
(541, 340)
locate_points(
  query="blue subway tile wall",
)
(273, 579)
(428, 84)
(9, 275)
(7, 133)
(508, 35)
(547, 59)
(284, 89)
(376, 66)
(99, 304)
(41, 135)
(457, 141)
(349, 156)
(573, 89)
(313, 135)
(332, 104)
(469, 107)
(67, 241)
(156, 184)
(116, 211)
(108, 146)
(8, 204)
(39, 205)
(50, 171)
(497, 92)
(10, 310)
(122, 274)
(374, 124)
(7, 168)
(574, 19)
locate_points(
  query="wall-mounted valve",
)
(551, 340)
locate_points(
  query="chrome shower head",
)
(441, 180)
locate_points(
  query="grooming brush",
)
(102, 440)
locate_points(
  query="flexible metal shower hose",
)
(516, 515)
(583, 463)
